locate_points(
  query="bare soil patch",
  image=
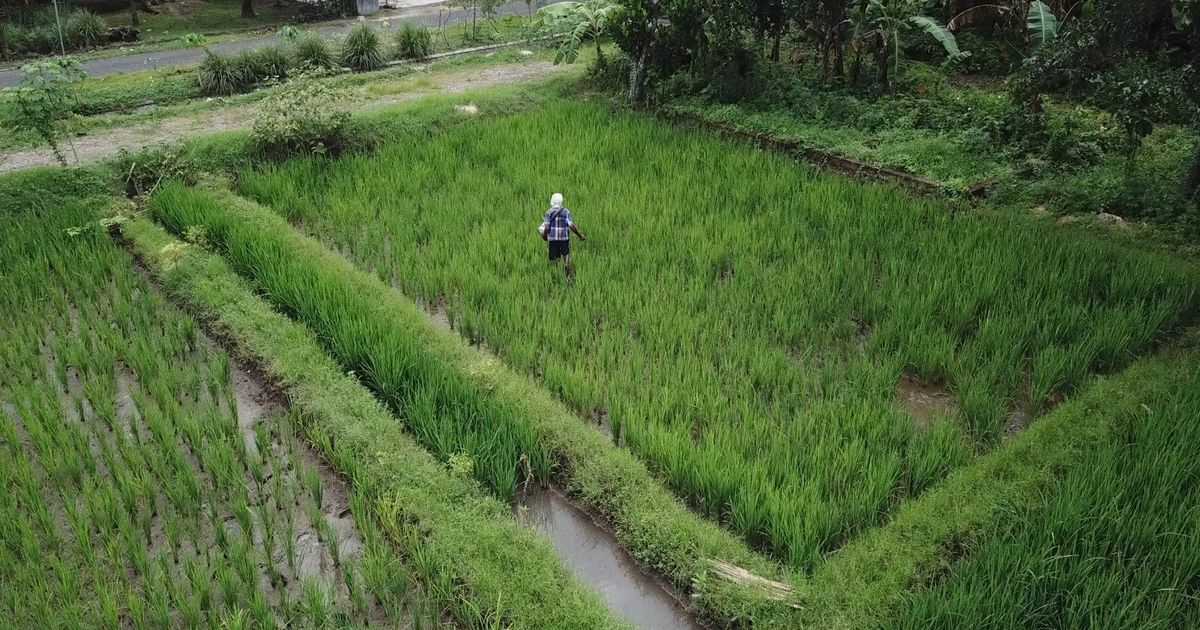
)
(925, 403)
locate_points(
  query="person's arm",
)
(571, 226)
(544, 231)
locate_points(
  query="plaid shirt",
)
(559, 227)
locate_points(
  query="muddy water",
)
(595, 557)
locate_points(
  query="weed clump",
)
(363, 50)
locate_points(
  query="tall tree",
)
(247, 9)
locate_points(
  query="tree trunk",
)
(133, 14)
(1191, 188)
(882, 58)
(247, 9)
(775, 37)
(637, 78)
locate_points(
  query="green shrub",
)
(84, 29)
(42, 39)
(313, 51)
(273, 61)
(362, 49)
(303, 117)
(221, 76)
(413, 41)
(14, 39)
(249, 67)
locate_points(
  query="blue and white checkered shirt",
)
(559, 227)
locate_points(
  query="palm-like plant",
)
(879, 24)
(1041, 23)
(578, 21)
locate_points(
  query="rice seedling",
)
(108, 420)
(748, 311)
(1112, 545)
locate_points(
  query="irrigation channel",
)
(594, 555)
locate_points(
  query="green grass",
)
(1112, 544)
(464, 545)
(207, 17)
(130, 482)
(726, 322)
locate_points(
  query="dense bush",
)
(304, 117)
(36, 32)
(313, 51)
(413, 41)
(273, 61)
(84, 29)
(362, 50)
(219, 75)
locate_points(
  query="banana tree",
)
(880, 24)
(578, 21)
(1038, 20)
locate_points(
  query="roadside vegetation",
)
(1059, 107)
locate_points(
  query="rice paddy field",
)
(149, 483)
(317, 393)
(741, 324)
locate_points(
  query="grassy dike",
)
(648, 520)
(871, 579)
(462, 542)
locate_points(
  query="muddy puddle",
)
(595, 557)
(925, 403)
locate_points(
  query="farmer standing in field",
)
(556, 231)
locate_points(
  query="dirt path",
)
(108, 142)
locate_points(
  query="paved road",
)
(192, 56)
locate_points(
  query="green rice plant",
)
(314, 52)
(413, 41)
(362, 50)
(720, 379)
(227, 584)
(315, 603)
(314, 484)
(1109, 546)
(219, 75)
(85, 29)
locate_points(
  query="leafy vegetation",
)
(478, 565)
(712, 404)
(362, 49)
(144, 488)
(1109, 545)
(305, 116)
(37, 32)
(413, 41)
(42, 101)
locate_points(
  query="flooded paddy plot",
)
(719, 313)
(152, 481)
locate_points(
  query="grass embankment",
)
(463, 544)
(731, 311)
(1113, 543)
(453, 394)
(1060, 470)
(138, 491)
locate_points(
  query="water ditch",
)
(595, 557)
